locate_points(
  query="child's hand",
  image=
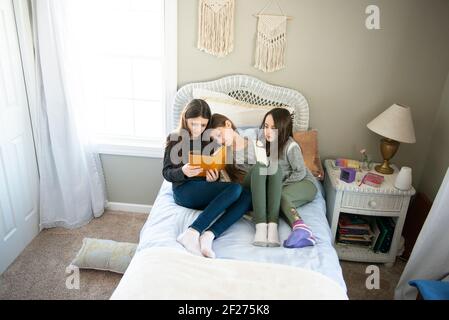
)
(191, 171)
(212, 175)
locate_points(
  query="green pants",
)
(265, 193)
(295, 195)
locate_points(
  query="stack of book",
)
(355, 230)
(383, 234)
(375, 233)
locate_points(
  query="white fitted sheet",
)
(167, 220)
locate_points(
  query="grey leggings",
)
(265, 193)
(295, 195)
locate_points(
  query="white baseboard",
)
(129, 207)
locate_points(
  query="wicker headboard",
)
(251, 90)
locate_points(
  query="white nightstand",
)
(365, 200)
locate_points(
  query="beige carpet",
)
(40, 271)
(355, 277)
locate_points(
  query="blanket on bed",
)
(167, 273)
(167, 220)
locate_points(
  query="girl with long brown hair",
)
(223, 203)
(265, 185)
(298, 183)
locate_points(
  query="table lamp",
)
(396, 125)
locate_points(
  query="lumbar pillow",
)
(308, 141)
(106, 255)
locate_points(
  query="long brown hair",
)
(219, 121)
(284, 124)
(196, 108)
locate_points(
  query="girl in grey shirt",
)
(298, 183)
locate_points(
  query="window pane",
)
(147, 79)
(147, 34)
(131, 33)
(117, 80)
(147, 5)
(115, 32)
(145, 113)
(107, 6)
(119, 117)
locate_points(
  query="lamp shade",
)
(395, 123)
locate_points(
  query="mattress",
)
(167, 220)
(159, 268)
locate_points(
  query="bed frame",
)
(151, 267)
(250, 90)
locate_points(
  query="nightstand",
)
(385, 201)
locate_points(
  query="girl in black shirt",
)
(223, 203)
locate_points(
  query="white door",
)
(19, 218)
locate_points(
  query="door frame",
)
(25, 227)
(23, 20)
(22, 15)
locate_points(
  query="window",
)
(126, 52)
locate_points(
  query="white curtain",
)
(430, 256)
(72, 188)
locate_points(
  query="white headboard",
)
(251, 90)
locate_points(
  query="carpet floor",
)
(40, 270)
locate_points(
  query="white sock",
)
(273, 235)
(260, 238)
(206, 240)
(190, 239)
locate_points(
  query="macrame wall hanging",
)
(271, 40)
(216, 26)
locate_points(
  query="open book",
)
(215, 161)
(261, 153)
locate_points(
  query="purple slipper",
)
(300, 237)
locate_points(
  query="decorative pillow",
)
(241, 113)
(105, 255)
(308, 141)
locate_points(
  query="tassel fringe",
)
(271, 43)
(216, 27)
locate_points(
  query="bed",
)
(158, 249)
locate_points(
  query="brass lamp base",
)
(384, 168)
(388, 148)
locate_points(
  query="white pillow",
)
(106, 255)
(242, 114)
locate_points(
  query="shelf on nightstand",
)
(370, 213)
(356, 233)
(355, 253)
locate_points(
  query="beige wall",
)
(437, 161)
(348, 73)
(132, 179)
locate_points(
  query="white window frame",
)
(148, 148)
(143, 148)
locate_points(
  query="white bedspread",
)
(168, 273)
(167, 220)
